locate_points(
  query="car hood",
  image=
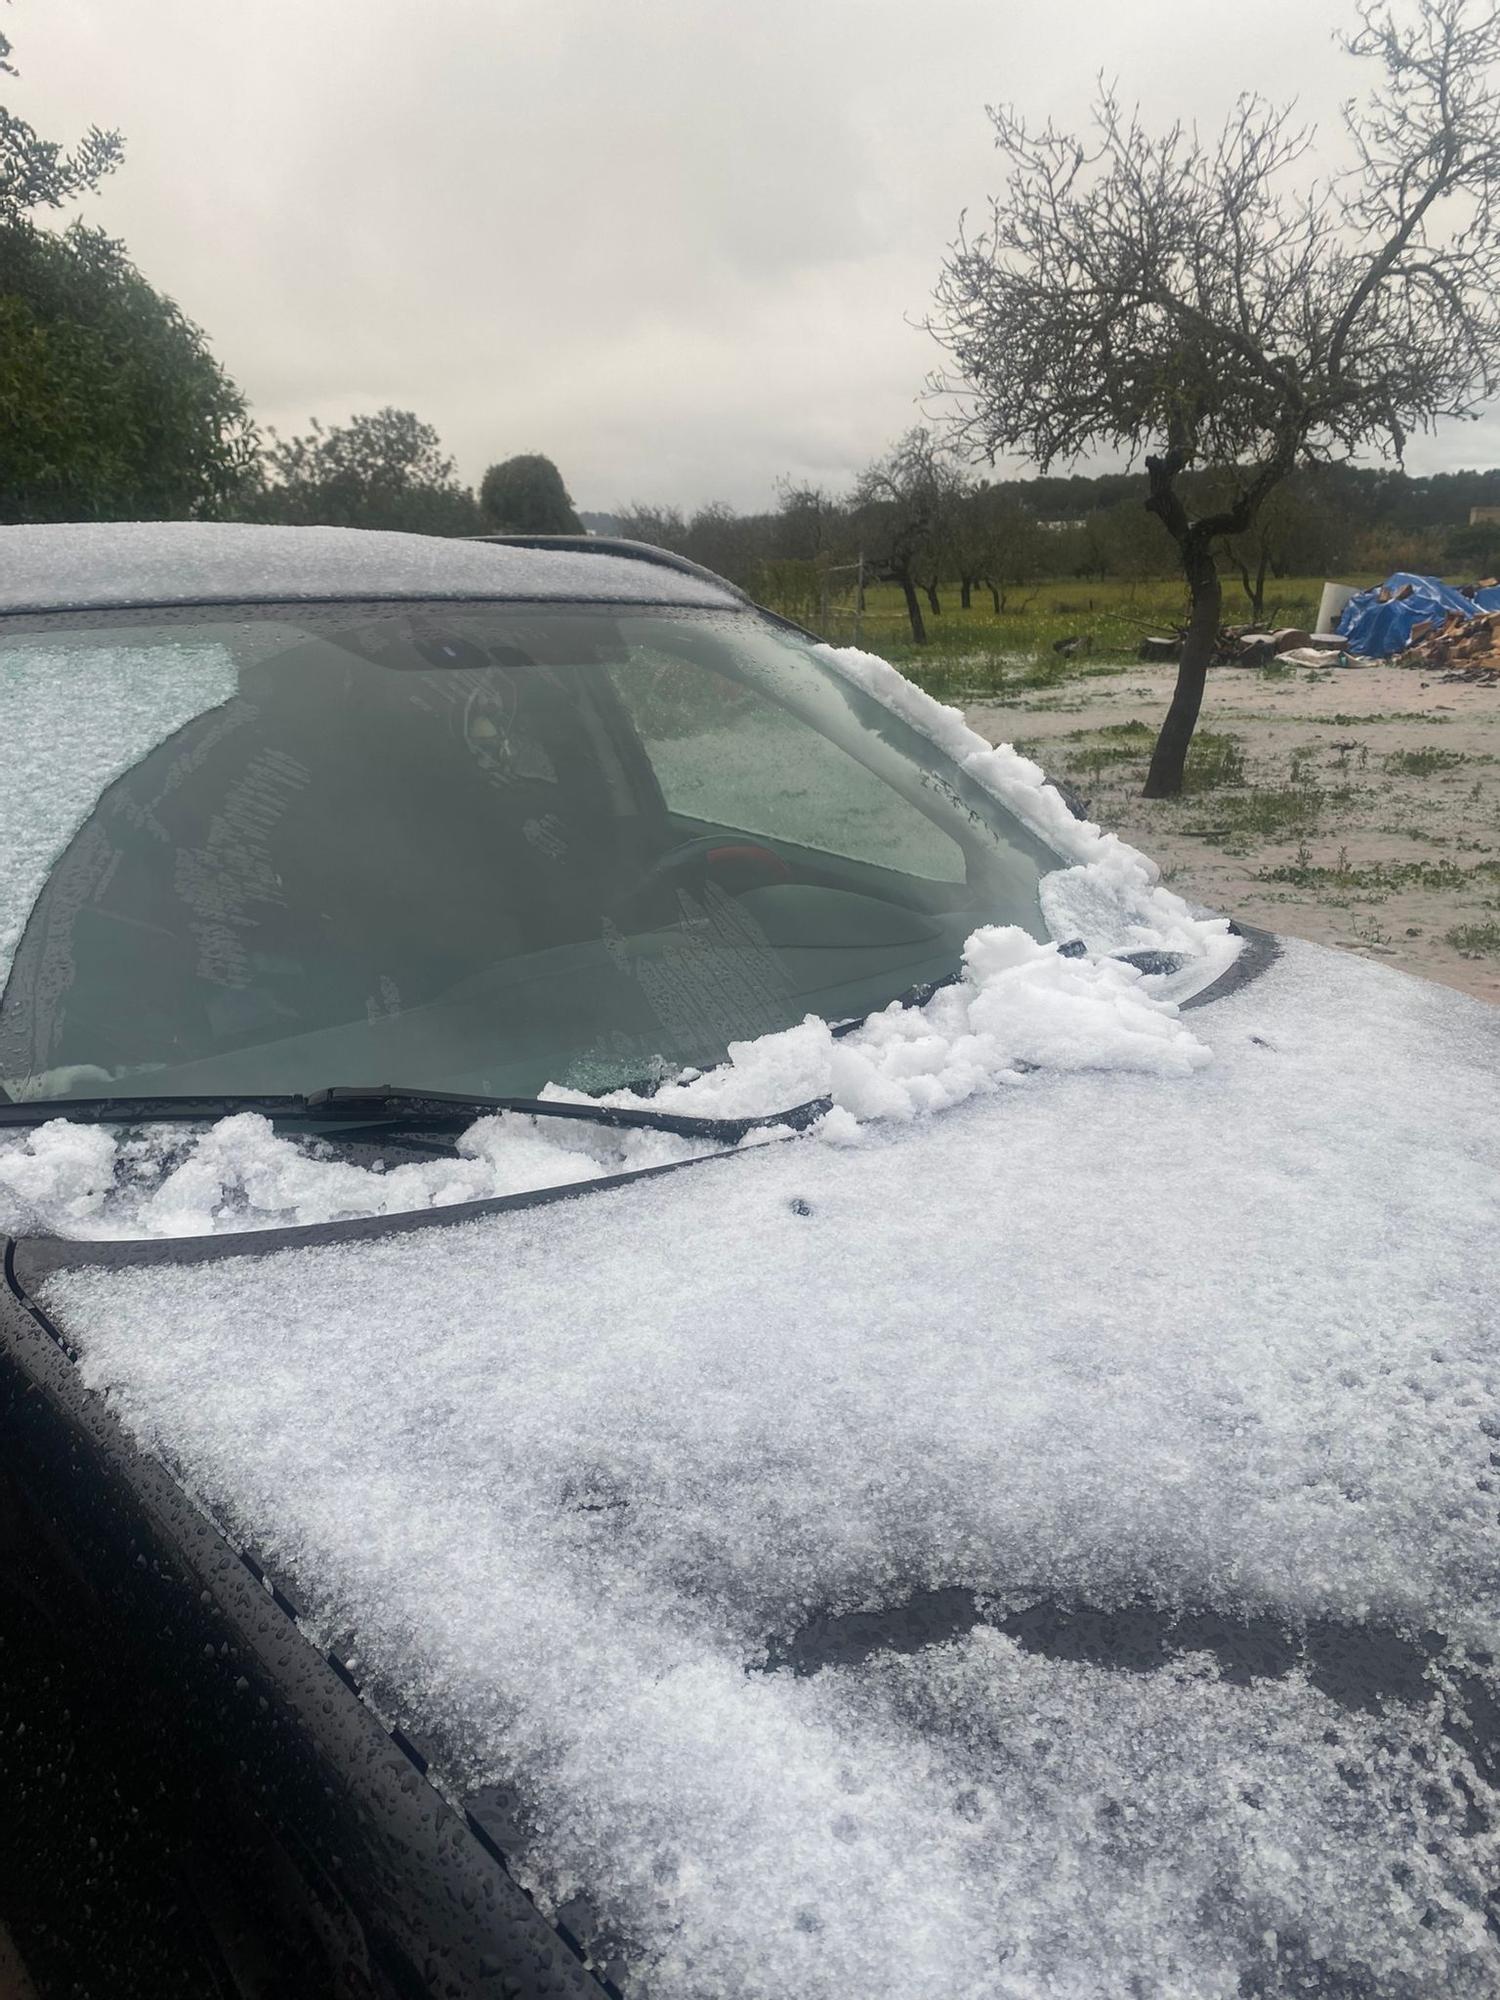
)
(1045, 1546)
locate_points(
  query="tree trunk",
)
(1164, 778)
(1255, 592)
(913, 609)
(932, 598)
(995, 596)
(966, 593)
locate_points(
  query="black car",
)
(665, 1333)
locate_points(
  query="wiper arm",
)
(393, 1106)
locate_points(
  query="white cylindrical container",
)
(1335, 597)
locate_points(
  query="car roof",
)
(100, 565)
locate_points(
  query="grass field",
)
(970, 654)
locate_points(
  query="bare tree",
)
(904, 505)
(1298, 530)
(1019, 548)
(663, 527)
(806, 521)
(993, 541)
(1209, 304)
(969, 542)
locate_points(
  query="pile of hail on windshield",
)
(460, 847)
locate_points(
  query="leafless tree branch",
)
(1195, 303)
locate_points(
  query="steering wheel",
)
(705, 856)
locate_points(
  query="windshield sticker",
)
(234, 874)
(710, 979)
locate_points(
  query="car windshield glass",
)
(460, 847)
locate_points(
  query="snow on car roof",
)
(108, 564)
(580, 1481)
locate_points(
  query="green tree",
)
(992, 541)
(661, 527)
(111, 404)
(36, 172)
(382, 471)
(525, 495)
(731, 545)
(1130, 542)
(1020, 550)
(806, 522)
(1474, 550)
(1298, 532)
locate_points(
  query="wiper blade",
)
(393, 1106)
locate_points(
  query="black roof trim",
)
(618, 545)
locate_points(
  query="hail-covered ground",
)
(1071, 1302)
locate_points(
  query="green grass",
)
(1087, 752)
(1422, 763)
(1252, 817)
(977, 652)
(972, 677)
(1474, 938)
(1213, 760)
(1387, 715)
(1380, 878)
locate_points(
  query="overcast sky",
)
(679, 245)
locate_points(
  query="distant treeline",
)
(1369, 495)
(920, 520)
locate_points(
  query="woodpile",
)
(1245, 646)
(1453, 648)
(1291, 643)
(1457, 648)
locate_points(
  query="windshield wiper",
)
(395, 1107)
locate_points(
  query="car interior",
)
(407, 853)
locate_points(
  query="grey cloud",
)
(678, 244)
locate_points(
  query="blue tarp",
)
(1375, 631)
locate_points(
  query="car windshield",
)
(463, 847)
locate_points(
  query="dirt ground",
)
(1358, 806)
